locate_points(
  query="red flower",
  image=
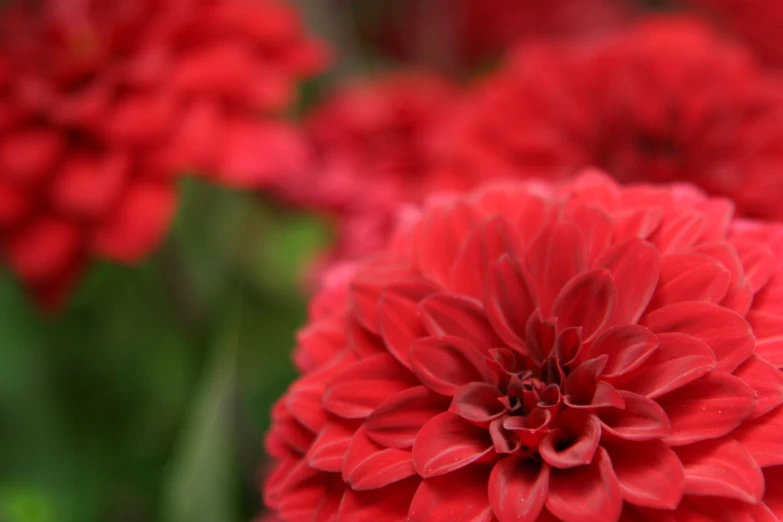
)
(371, 150)
(462, 33)
(665, 101)
(103, 104)
(540, 353)
(756, 22)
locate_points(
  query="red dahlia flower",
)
(665, 101)
(104, 103)
(371, 151)
(581, 352)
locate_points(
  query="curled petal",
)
(397, 420)
(328, 450)
(641, 419)
(627, 348)
(444, 364)
(450, 315)
(586, 494)
(400, 324)
(586, 301)
(447, 443)
(518, 489)
(478, 402)
(371, 466)
(573, 442)
(510, 300)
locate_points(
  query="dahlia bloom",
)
(370, 153)
(103, 104)
(462, 33)
(664, 101)
(756, 22)
(536, 352)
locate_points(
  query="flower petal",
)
(397, 420)
(586, 494)
(371, 466)
(460, 496)
(641, 419)
(518, 489)
(679, 359)
(573, 442)
(766, 381)
(389, 504)
(444, 364)
(727, 333)
(447, 443)
(327, 452)
(707, 408)
(768, 328)
(478, 402)
(635, 268)
(510, 300)
(761, 437)
(721, 468)
(690, 277)
(400, 324)
(586, 301)
(627, 347)
(451, 315)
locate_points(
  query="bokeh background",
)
(146, 398)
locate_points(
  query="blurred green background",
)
(147, 399)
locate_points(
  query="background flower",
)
(104, 104)
(667, 100)
(535, 352)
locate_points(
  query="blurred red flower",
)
(534, 352)
(664, 101)
(462, 33)
(370, 153)
(756, 22)
(103, 104)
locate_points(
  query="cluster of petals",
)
(536, 352)
(370, 152)
(756, 23)
(663, 101)
(463, 33)
(103, 104)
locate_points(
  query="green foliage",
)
(144, 398)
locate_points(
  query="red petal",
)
(635, 268)
(450, 315)
(758, 262)
(690, 277)
(366, 290)
(627, 348)
(328, 450)
(304, 401)
(445, 364)
(478, 402)
(139, 223)
(442, 234)
(447, 443)
(721, 468)
(679, 359)
(26, 156)
(357, 399)
(555, 258)
(679, 231)
(707, 408)
(641, 419)
(371, 466)
(768, 328)
(729, 510)
(389, 504)
(400, 324)
(301, 492)
(761, 437)
(766, 381)
(518, 489)
(649, 473)
(582, 390)
(586, 494)
(487, 243)
(726, 332)
(586, 301)
(573, 442)
(637, 223)
(457, 497)
(142, 119)
(773, 478)
(88, 186)
(15, 204)
(43, 249)
(399, 418)
(510, 300)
